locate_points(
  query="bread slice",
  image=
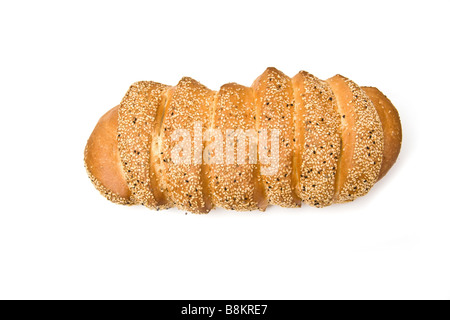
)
(234, 182)
(137, 114)
(319, 139)
(362, 140)
(102, 160)
(274, 99)
(392, 128)
(188, 104)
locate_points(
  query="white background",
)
(63, 64)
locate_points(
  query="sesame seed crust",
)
(233, 185)
(362, 141)
(188, 102)
(137, 113)
(332, 147)
(320, 141)
(275, 98)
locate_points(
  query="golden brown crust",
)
(392, 128)
(137, 114)
(188, 106)
(298, 84)
(233, 184)
(336, 140)
(102, 159)
(157, 170)
(320, 140)
(362, 140)
(274, 95)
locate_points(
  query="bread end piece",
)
(102, 160)
(392, 128)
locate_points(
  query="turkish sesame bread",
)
(332, 140)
